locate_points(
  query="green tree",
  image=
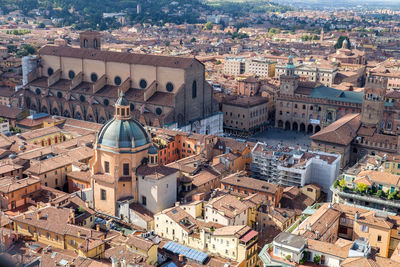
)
(26, 50)
(342, 183)
(208, 26)
(41, 25)
(317, 259)
(340, 40)
(361, 187)
(336, 184)
(380, 193)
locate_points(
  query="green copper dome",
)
(123, 134)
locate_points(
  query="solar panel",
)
(189, 253)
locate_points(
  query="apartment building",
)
(380, 193)
(292, 250)
(377, 176)
(53, 171)
(255, 66)
(237, 243)
(260, 67)
(10, 169)
(234, 66)
(61, 233)
(16, 193)
(323, 73)
(241, 184)
(289, 166)
(341, 221)
(134, 249)
(226, 210)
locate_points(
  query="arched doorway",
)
(66, 113)
(317, 128)
(287, 125)
(44, 109)
(295, 126)
(55, 111)
(280, 124)
(310, 128)
(90, 117)
(302, 127)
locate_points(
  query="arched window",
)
(59, 95)
(38, 91)
(95, 43)
(158, 111)
(143, 83)
(85, 43)
(106, 102)
(194, 89)
(71, 74)
(117, 80)
(169, 87)
(132, 106)
(93, 77)
(55, 140)
(82, 98)
(50, 71)
(330, 116)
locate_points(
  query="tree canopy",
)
(340, 41)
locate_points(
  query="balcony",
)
(350, 194)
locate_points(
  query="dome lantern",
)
(122, 107)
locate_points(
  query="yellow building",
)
(145, 247)
(55, 227)
(376, 229)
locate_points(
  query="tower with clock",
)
(289, 80)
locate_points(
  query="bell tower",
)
(289, 80)
(90, 39)
(373, 103)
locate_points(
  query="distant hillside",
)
(84, 14)
(89, 13)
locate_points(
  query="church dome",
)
(123, 134)
(123, 131)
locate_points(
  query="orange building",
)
(15, 193)
(175, 145)
(78, 180)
